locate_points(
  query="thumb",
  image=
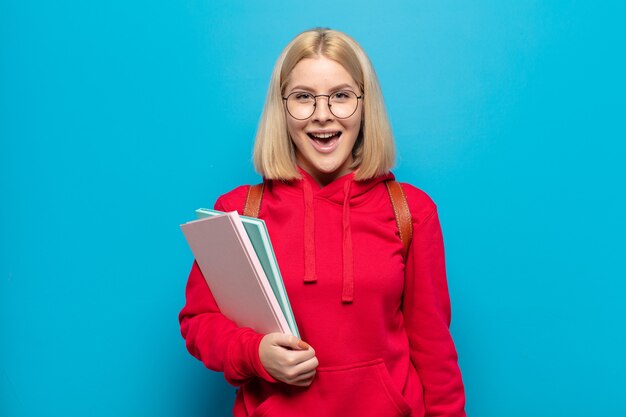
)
(292, 342)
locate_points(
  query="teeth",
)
(323, 135)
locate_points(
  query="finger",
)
(302, 383)
(305, 377)
(292, 342)
(306, 366)
(286, 340)
(304, 380)
(297, 357)
(295, 372)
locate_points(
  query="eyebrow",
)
(335, 88)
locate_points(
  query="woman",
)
(375, 322)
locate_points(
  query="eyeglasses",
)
(342, 104)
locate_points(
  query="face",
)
(323, 142)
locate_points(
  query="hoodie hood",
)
(344, 191)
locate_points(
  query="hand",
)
(288, 359)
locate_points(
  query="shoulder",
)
(234, 200)
(420, 204)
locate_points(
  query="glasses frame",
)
(330, 107)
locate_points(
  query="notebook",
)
(233, 271)
(260, 239)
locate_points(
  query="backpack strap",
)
(402, 214)
(396, 195)
(253, 200)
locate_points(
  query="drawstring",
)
(347, 294)
(309, 234)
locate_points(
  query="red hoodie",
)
(379, 327)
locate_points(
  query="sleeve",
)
(214, 339)
(426, 310)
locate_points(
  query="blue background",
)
(118, 119)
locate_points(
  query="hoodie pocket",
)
(362, 389)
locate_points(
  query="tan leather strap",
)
(402, 213)
(253, 200)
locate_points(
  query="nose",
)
(322, 111)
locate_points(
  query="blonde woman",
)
(373, 312)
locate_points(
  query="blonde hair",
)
(374, 151)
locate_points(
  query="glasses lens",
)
(343, 104)
(301, 105)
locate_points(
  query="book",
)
(233, 271)
(260, 239)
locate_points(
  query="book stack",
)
(237, 260)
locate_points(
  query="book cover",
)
(259, 236)
(234, 273)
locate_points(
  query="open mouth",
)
(324, 141)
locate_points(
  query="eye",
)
(342, 95)
(302, 96)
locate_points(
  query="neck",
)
(322, 178)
